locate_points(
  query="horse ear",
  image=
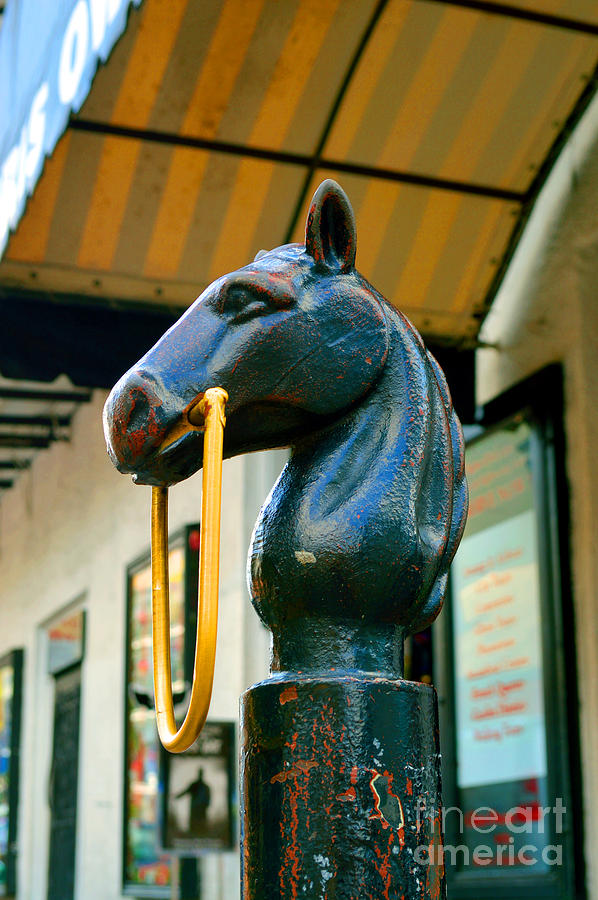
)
(330, 234)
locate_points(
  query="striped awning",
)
(208, 129)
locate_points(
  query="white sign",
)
(498, 655)
(48, 57)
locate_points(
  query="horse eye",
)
(251, 311)
(259, 255)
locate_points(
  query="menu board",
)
(497, 634)
(145, 864)
(499, 689)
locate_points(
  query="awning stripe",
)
(539, 117)
(369, 74)
(460, 261)
(222, 64)
(134, 104)
(498, 85)
(30, 242)
(429, 83)
(289, 79)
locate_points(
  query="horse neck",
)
(361, 455)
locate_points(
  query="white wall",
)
(68, 531)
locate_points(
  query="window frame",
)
(539, 401)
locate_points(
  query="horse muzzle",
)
(156, 442)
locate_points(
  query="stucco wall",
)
(554, 318)
(68, 530)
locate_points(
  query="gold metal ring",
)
(211, 407)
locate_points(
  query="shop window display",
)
(147, 867)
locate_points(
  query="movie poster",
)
(198, 793)
(146, 864)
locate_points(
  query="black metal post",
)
(340, 773)
(189, 880)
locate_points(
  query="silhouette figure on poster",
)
(200, 794)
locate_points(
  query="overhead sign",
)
(49, 52)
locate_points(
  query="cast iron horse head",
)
(361, 527)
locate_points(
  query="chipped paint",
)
(390, 809)
(300, 767)
(305, 557)
(327, 823)
(287, 695)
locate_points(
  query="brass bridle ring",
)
(211, 407)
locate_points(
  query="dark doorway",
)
(63, 785)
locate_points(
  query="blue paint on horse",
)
(365, 518)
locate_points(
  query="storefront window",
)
(146, 867)
(505, 662)
(499, 679)
(10, 702)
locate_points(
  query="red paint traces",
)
(401, 833)
(354, 774)
(136, 440)
(435, 871)
(368, 360)
(299, 767)
(349, 795)
(409, 787)
(383, 868)
(288, 694)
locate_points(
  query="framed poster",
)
(11, 674)
(66, 642)
(508, 736)
(198, 797)
(146, 867)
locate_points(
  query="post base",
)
(340, 782)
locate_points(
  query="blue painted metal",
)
(350, 552)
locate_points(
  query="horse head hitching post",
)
(340, 767)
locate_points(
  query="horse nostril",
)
(134, 421)
(140, 410)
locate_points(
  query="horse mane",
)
(374, 506)
(456, 514)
